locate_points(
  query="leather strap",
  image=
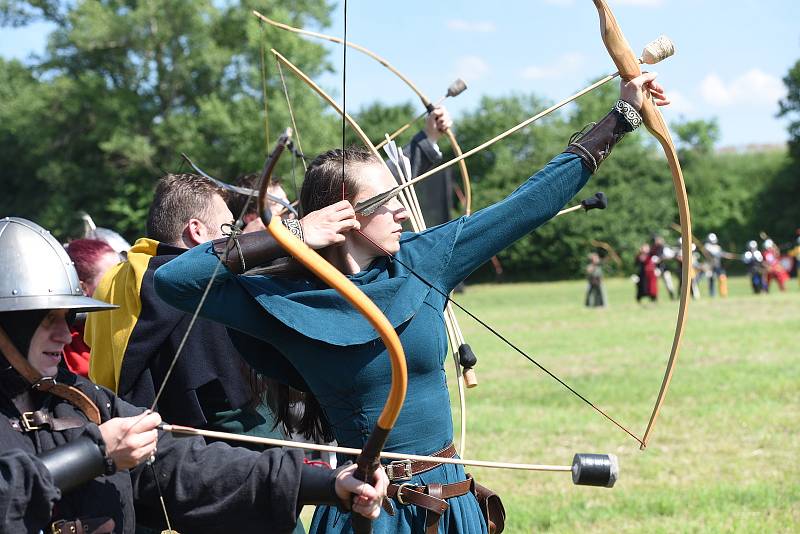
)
(73, 395)
(433, 498)
(87, 525)
(47, 384)
(405, 469)
(44, 419)
(432, 518)
(595, 145)
(245, 251)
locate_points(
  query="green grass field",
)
(725, 452)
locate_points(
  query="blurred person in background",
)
(647, 284)
(244, 208)
(716, 271)
(754, 261)
(92, 258)
(775, 270)
(595, 293)
(663, 255)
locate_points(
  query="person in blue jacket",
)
(292, 327)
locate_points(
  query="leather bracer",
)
(245, 251)
(595, 145)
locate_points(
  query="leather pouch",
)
(492, 507)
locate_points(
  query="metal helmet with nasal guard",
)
(36, 273)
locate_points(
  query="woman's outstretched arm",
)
(492, 229)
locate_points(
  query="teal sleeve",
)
(490, 230)
(181, 283)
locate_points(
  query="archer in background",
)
(794, 253)
(595, 292)
(133, 346)
(695, 268)
(772, 263)
(646, 280)
(663, 256)
(754, 261)
(716, 270)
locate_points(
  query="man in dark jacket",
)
(134, 345)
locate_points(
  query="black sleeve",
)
(27, 492)
(422, 154)
(215, 487)
(218, 488)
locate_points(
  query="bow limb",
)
(464, 174)
(369, 459)
(628, 65)
(426, 102)
(608, 248)
(451, 324)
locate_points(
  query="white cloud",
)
(566, 64)
(753, 88)
(483, 26)
(679, 103)
(471, 67)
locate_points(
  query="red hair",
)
(85, 254)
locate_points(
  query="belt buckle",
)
(399, 470)
(27, 422)
(63, 527)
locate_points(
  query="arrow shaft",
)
(189, 431)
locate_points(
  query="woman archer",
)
(306, 335)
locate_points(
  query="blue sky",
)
(731, 55)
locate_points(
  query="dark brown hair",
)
(179, 198)
(322, 186)
(323, 182)
(237, 202)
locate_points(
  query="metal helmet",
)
(36, 272)
(114, 240)
(752, 245)
(712, 238)
(768, 243)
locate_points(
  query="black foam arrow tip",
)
(598, 201)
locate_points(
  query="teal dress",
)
(305, 334)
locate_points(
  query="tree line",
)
(123, 89)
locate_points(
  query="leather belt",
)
(433, 498)
(40, 419)
(87, 525)
(405, 469)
